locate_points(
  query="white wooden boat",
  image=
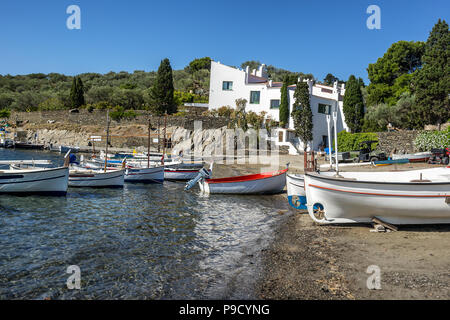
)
(65, 149)
(183, 171)
(413, 157)
(397, 197)
(262, 183)
(180, 173)
(295, 185)
(44, 181)
(145, 175)
(82, 177)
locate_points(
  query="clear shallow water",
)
(142, 242)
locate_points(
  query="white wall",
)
(241, 89)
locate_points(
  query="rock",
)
(74, 111)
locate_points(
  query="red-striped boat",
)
(262, 183)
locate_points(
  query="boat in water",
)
(261, 183)
(65, 149)
(398, 197)
(145, 175)
(183, 171)
(82, 177)
(30, 181)
(26, 145)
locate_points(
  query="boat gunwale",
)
(247, 178)
(318, 176)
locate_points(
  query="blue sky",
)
(315, 37)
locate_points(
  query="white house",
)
(228, 84)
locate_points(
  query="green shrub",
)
(119, 113)
(427, 140)
(5, 113)
(351, 141)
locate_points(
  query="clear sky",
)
(317, 37)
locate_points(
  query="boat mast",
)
(148, 144)
(329, 138)
(107, 138)
(336, 138)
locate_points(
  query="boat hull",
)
(267, 184)
(145, 175)
(96, 179)
(416, 157)
(65, 149)
(180, 174)
(295, 185)
(352, 201)
(37, 181)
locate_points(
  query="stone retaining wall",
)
(99, 117)
(397, 141)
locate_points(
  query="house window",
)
(274, 104)
(254, 97)
(324, 108)
(227, 85)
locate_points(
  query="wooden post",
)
(158, 134)
(107, 138)
(385, 224)
(305, 161)
(164, 142)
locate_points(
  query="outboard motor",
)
(73, 159)
(202, 174)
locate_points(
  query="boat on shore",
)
(400, 197)
(389, 162)
(413, 157)
(295, 185)
(261, 183)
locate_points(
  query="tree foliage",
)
(432, 83)
(284, 104)
(354, 104)
(302, 114)
(391, 75)
(161, 93)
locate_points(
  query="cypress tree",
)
(76, 96)
(354, 104)
(73, 93)
(79, 93)
(161, 93)
(431, 83)
(284, 105)
(302, 114)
